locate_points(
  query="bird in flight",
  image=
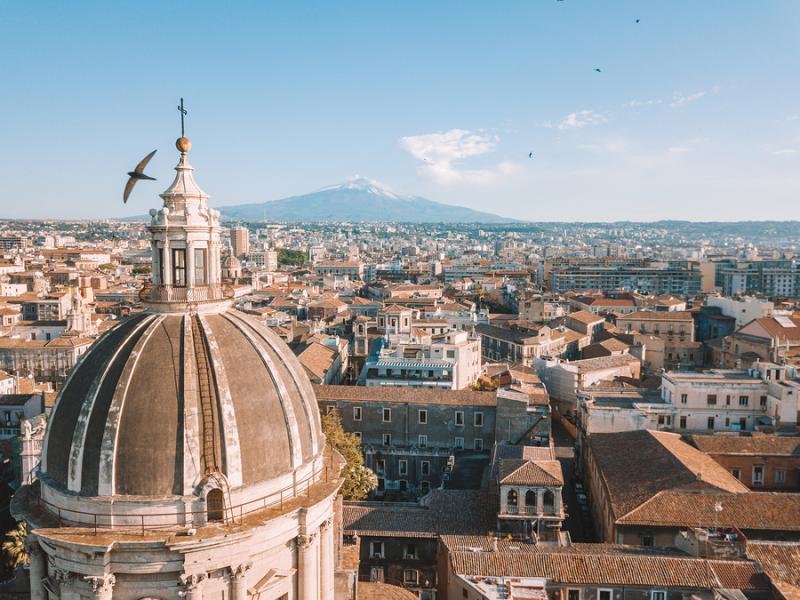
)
(637, 20)
(136, 175)
(598, 70)
(530, 154)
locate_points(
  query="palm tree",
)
(14, 547)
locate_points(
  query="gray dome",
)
(164, 401)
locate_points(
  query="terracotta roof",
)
(411, 395)
(637, 465)
(368, 590)
(655, 315)
(765, 511)
(652, 570)
(317, 359)
(584, 316)
(756, 445)
(527, 472)
(780, 561)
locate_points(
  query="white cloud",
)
(441, 152)
(640, 103)
(784, 152)
(579, 119)
(680, 100)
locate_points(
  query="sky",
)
(695, 113)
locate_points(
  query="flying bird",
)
(598, 70)
(637, 20)
(136, 175)
(530, 154)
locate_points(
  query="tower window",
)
(200, 269)
(179, 267)
(215, 505)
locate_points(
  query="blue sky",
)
(695, 115)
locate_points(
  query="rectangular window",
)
(356, 413)
(737, 473)
(422, 416)
(763, 401)
(744, 400)
(758, 474)
(605, 594)
(410, 576)
(376, 550)
(402, 467)
(423, 441)
(658, 595)
(780, 475)
(711, 422)
(459, 417)
(179, 267)
(410, 550)
(459, 443)
(380, 466)
(478, 419)
(478, 444)
(387, 415)
(425, 467)
(728, 400)
(684, 398)
(648, 540)
(573, 595)
(387, 439)
(682, 423)
(200, 268)
(711, 399)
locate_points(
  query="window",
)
(356, 413)
(425, 467)
(402, 467)
(530, 498)
(410, 576)
(387, 439)
(478, 419)
(658, 595)
(459, 417)
(410, 550)
(459, 443)
(780, 475)
(425, 486)
(387, 415)
(737, 473)
(423, 441)
(758, 474)
(728, 400)
(711, 399)
(376, 551)
(215, 505)
(684, 398)
(711, 422)
(605, 594)
(179, 267)
(660, 419)
(478, 444)
(763, 401)
(648, 539)
(380, 465)
(744, 400)
(200, 266)
(511, 498)
(573, 595)
(682, 423)
(423, 416)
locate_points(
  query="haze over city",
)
(695, 113)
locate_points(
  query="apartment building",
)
(520, 343)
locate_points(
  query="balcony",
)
(169, 293)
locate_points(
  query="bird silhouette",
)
(598, 70)
(530, 154)
(136, 175)
(637, 20)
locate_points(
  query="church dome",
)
(189, 395)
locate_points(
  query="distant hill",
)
(359, 199)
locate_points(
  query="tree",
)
(290, 257)
(14, 547)
(359, 480)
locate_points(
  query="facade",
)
(240, 242)
(184, 456)
(679, 279)
(519, 344)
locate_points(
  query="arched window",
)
(530, 499)
(511, 498)
(215, 505)
(549, 500)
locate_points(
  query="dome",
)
(162, 402)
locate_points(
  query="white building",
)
(743, 310)
(184, 457)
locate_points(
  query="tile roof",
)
(637, 465)
(584, 316)
(766, 511)
(657, 315)
(526, 472)
(368, 590)
(603, 362)
(756, 445)
(404, 394)
(780, 561)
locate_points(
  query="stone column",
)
(192, 586)
(101, 586)
(38, 570)
(326, 561)
(239, 573)
(540, 501)
(307, 578)
(64, 579)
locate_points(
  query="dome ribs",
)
(208, 399)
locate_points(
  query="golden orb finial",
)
(183, 144)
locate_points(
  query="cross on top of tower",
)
(183, 112)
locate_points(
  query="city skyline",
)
(693, 114)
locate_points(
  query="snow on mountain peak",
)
(372, 186)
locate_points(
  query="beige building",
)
(240, 241)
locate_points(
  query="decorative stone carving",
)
(101, 584)
(240, 571)
(63, 576)
(305, 540)
(191, 581)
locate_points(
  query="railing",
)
(512, 509)
(232, 515)
(170, 293)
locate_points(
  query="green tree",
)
(359, 480)
(287, 256)
(14, 547)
